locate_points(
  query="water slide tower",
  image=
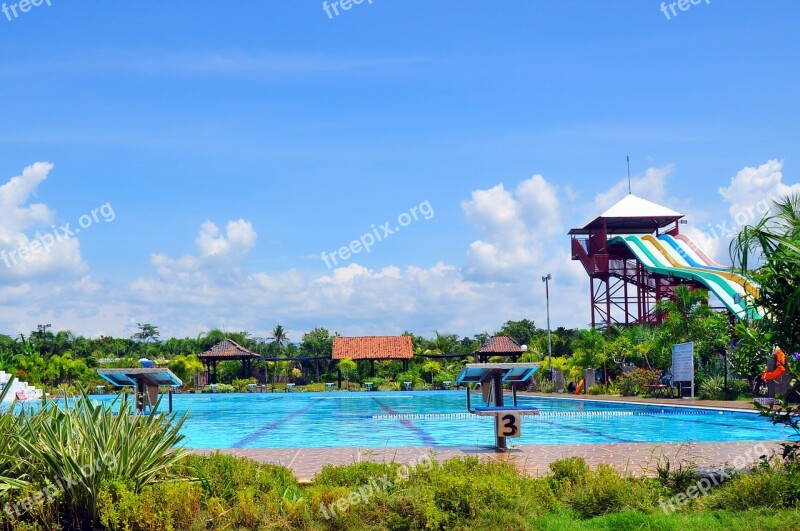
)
(623, 290)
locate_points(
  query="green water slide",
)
(728, 290)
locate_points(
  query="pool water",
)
(439, 418)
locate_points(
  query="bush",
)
(240, 385)
(571, 469)
(605, 491)
(220, 388)
(712, 388)
(599, 389)
(767, 488)
(633, 383)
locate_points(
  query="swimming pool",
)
(439, 418)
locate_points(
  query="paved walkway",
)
(633, 458)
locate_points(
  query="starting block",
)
(491, 377)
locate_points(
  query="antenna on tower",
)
(629, 174)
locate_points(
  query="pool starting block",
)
(491, 377)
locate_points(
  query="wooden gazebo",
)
(228, 350)
(498, 346)
(373, 348)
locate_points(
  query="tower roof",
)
(632, 215)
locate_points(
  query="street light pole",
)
(546, 279)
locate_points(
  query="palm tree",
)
(279, 337)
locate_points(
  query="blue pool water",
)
(439, 418)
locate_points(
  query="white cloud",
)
(31, 246)
(214, 250)
(752, 191)
(515, 224)
(652, 186)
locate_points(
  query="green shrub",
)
(633, 383)
(220, 388)
(354, 475)
(222, 475)
(712, 388)
(599, 389)
(767, 488)
(572, 469)
(163, 507)
(605, 491)
(313, 388)
(240, 385)
(389, 386)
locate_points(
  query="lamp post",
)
(546, 279)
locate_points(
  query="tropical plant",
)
(186, 367)
(347, 366)
(773, 244)
(752, 351)
(72, 452)
(431, 368)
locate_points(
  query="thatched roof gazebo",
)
(228, 350)
(498, 346)
(371, 348)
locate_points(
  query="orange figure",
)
(780, 366)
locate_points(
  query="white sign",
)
(508, 424)
(683, 364)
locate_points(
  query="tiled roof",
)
(373, 348)
(228, 349)
(500, 345)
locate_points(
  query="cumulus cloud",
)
(752, 191)
(515, 225)
(25, 228)
(652, 186)
(214, 250)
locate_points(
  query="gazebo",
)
(228, 350)
(498, 346)
(373, 348)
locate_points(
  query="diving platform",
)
(491, 377)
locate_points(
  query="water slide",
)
(682, 260)
(690, 245)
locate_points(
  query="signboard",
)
(683, 364)
(509, 424)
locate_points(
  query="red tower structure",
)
(623, 292)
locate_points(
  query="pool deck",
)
(633, 458)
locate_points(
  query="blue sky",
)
(293, 134)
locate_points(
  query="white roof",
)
(632, 206)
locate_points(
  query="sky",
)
(400, 165)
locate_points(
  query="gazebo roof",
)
(632, 214)
(500, 345)
(228, 350)
(373, 348)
